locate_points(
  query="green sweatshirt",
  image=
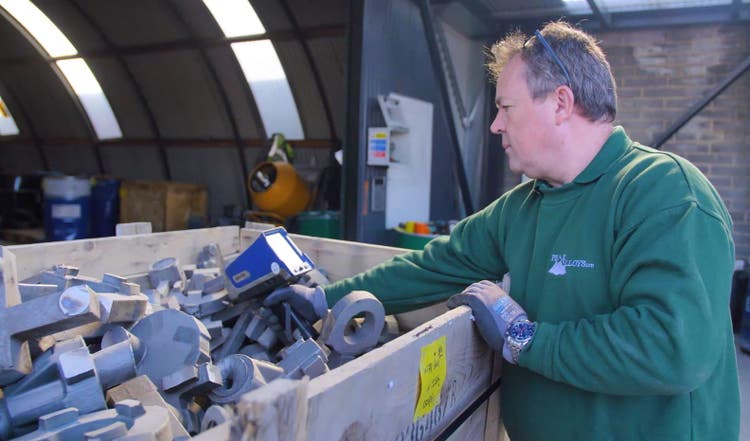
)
(627, 271)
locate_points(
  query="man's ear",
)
(564, 103)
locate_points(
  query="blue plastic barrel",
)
(105, 206)
(66, 207)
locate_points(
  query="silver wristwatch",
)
(517, 336)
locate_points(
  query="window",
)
(7, 124)
(75, 70)
(261, 66)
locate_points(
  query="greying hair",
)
(591, 79)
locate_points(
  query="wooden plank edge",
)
(346, 403)
(133, 253)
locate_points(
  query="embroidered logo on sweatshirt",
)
(561, 263)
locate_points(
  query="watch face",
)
(521, 331)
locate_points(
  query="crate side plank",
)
(374, 396)
(123, 255)
(340, 258)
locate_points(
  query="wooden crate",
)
(167, 205)
(371, 398)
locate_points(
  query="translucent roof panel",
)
(75, 71)
(40, 27)
(648, 5)
(92, 98)
(7, 124)
(577, 7)
(236, 18)
(268, 82)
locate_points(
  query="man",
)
(617, 323)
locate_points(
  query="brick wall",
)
(661, 73)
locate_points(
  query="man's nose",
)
(498, 124)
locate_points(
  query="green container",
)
(320, 224)
(412, 241)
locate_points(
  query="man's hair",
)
(590, 76)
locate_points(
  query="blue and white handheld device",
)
(271, 261)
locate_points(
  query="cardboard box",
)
(167, 205)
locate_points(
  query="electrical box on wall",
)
(408, 178)
(378, 146)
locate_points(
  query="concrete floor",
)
(743, 363)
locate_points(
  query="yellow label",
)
(432, 371)
(3, 110)
(380, 135)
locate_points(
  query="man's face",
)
(523, 122)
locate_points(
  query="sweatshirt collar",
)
(617, 144)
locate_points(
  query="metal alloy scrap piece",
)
(172, 340)
(110, 283)
(31, 291)
(305, 357)
(218, 341)
(256, 352)
(166, 270)
(236, 337)
(390, 331)
(210, 256)
(68, 376)
(206, 378)
(76, 306)
(60, 275)
(216, 415)
(127, 420)
(242, 374)
(122, 308)
(337, 329)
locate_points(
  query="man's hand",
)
(493, 310)
(309, 302)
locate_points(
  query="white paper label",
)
(66, 211)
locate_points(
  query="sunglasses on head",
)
(552, 54)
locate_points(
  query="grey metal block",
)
(121, 308)
(218, 341)
(179, 377)
(75, 306)
(256, 352)
(215, 416)
(166, 270)
(268, 339)
(214, 285)
(242, 374)
(210, 256)
(120, 284)
(391, 331)
(232, 311)
(213, 326)
(207, 379)
(335, 359)
(185, 336)
(142, 280)
(236, 337)
(256, 327)
(31, 291)
(106, 425)
(67, 376)
(304, 357)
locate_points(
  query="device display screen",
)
(285, 252)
